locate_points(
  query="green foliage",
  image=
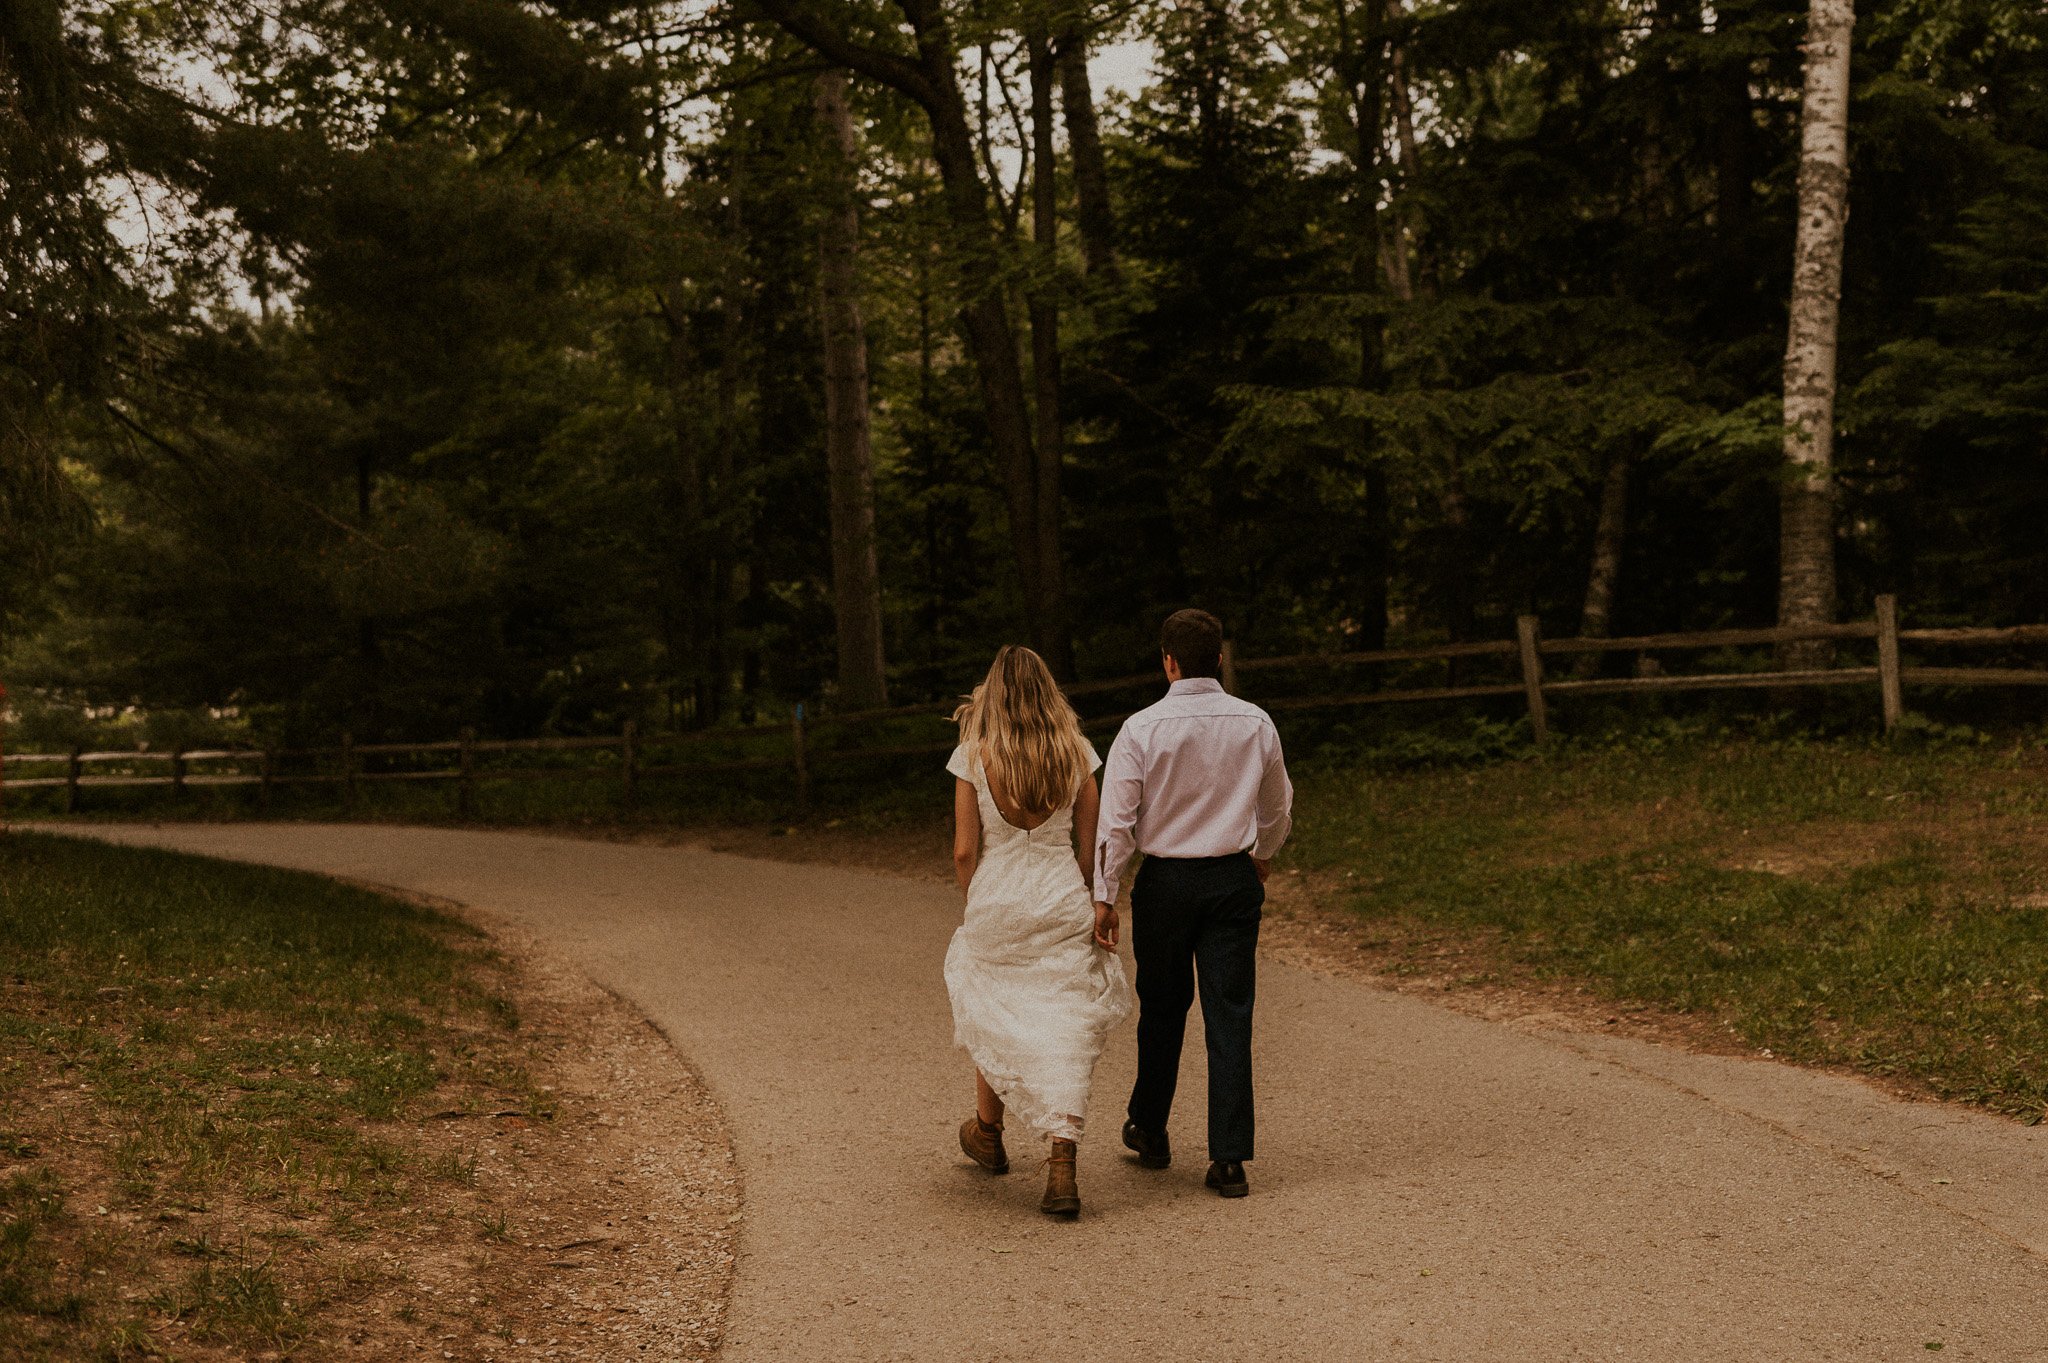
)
(1918, 733)
(471, 374)
(1970, 398)
(1476, 743)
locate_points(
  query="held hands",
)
(1264, 868)
(1106, 926)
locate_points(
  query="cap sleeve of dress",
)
(961, 763)
(1094, 757)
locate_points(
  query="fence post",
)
(1229, 668)
(1888, 681)
(629, 760)
(465, 775)
(265, 774)
(72, 771)
(348, 770)
(796, 743)
(1532, 676)
(178, 771)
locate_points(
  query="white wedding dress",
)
(1033, 997)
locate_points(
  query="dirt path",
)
(1432, 1186)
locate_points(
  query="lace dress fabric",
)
(1034, 998)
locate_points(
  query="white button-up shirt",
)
(1199, 774)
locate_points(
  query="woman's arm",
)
(966, 832)
(1087, 809)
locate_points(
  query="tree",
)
(62, 302)
(1094, 214)
(856, 581)
(1806, 555)
(1361, 65)
(505, 371)
(928, 77)
(1604, 571)
(1043, 307)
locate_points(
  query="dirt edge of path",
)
(615, 1224)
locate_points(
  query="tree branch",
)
(1024, 159)
(830, 40)
(190, 463)
(739, 83)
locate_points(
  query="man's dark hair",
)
(1193, 639)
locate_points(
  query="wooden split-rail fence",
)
(639, 756)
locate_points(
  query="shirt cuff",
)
(1270, 841)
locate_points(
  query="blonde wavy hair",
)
(1026, 735)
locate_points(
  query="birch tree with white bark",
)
(1806, 553)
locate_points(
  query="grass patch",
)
(203, 1067)
(1842, 903)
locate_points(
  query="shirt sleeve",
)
(1123, 789)
(1276, 800)
(961, 763)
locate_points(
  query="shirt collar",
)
(1195, 686)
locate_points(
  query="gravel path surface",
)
(1432, 1186)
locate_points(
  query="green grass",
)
(1836, 902)
(198, 1060)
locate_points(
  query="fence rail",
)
(1528, 650)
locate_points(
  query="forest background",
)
(399, 365)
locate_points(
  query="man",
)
(1197, 783)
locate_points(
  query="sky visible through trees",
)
(467, 362)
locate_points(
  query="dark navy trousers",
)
(1195, 926)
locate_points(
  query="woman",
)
(1034, 993)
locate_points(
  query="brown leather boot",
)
(1062, 1198)
(984, 1144)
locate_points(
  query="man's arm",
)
(1276, 803)
(1123, 793)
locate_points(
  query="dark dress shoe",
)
(1226, 1176)
(1150, 1146)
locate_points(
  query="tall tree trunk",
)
(937, 583)
(1596, 617)
(1043, 303)
(1734, 144)
(721, 591)
(686, 492)
(856, 579)
(1400, 255)
(1461, 609)
(1365, 63)
(1806, 555)
(1094, 215)
(369, 644)
(1373, 593)
(930, 78)
(751, 662)
(992, 344)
